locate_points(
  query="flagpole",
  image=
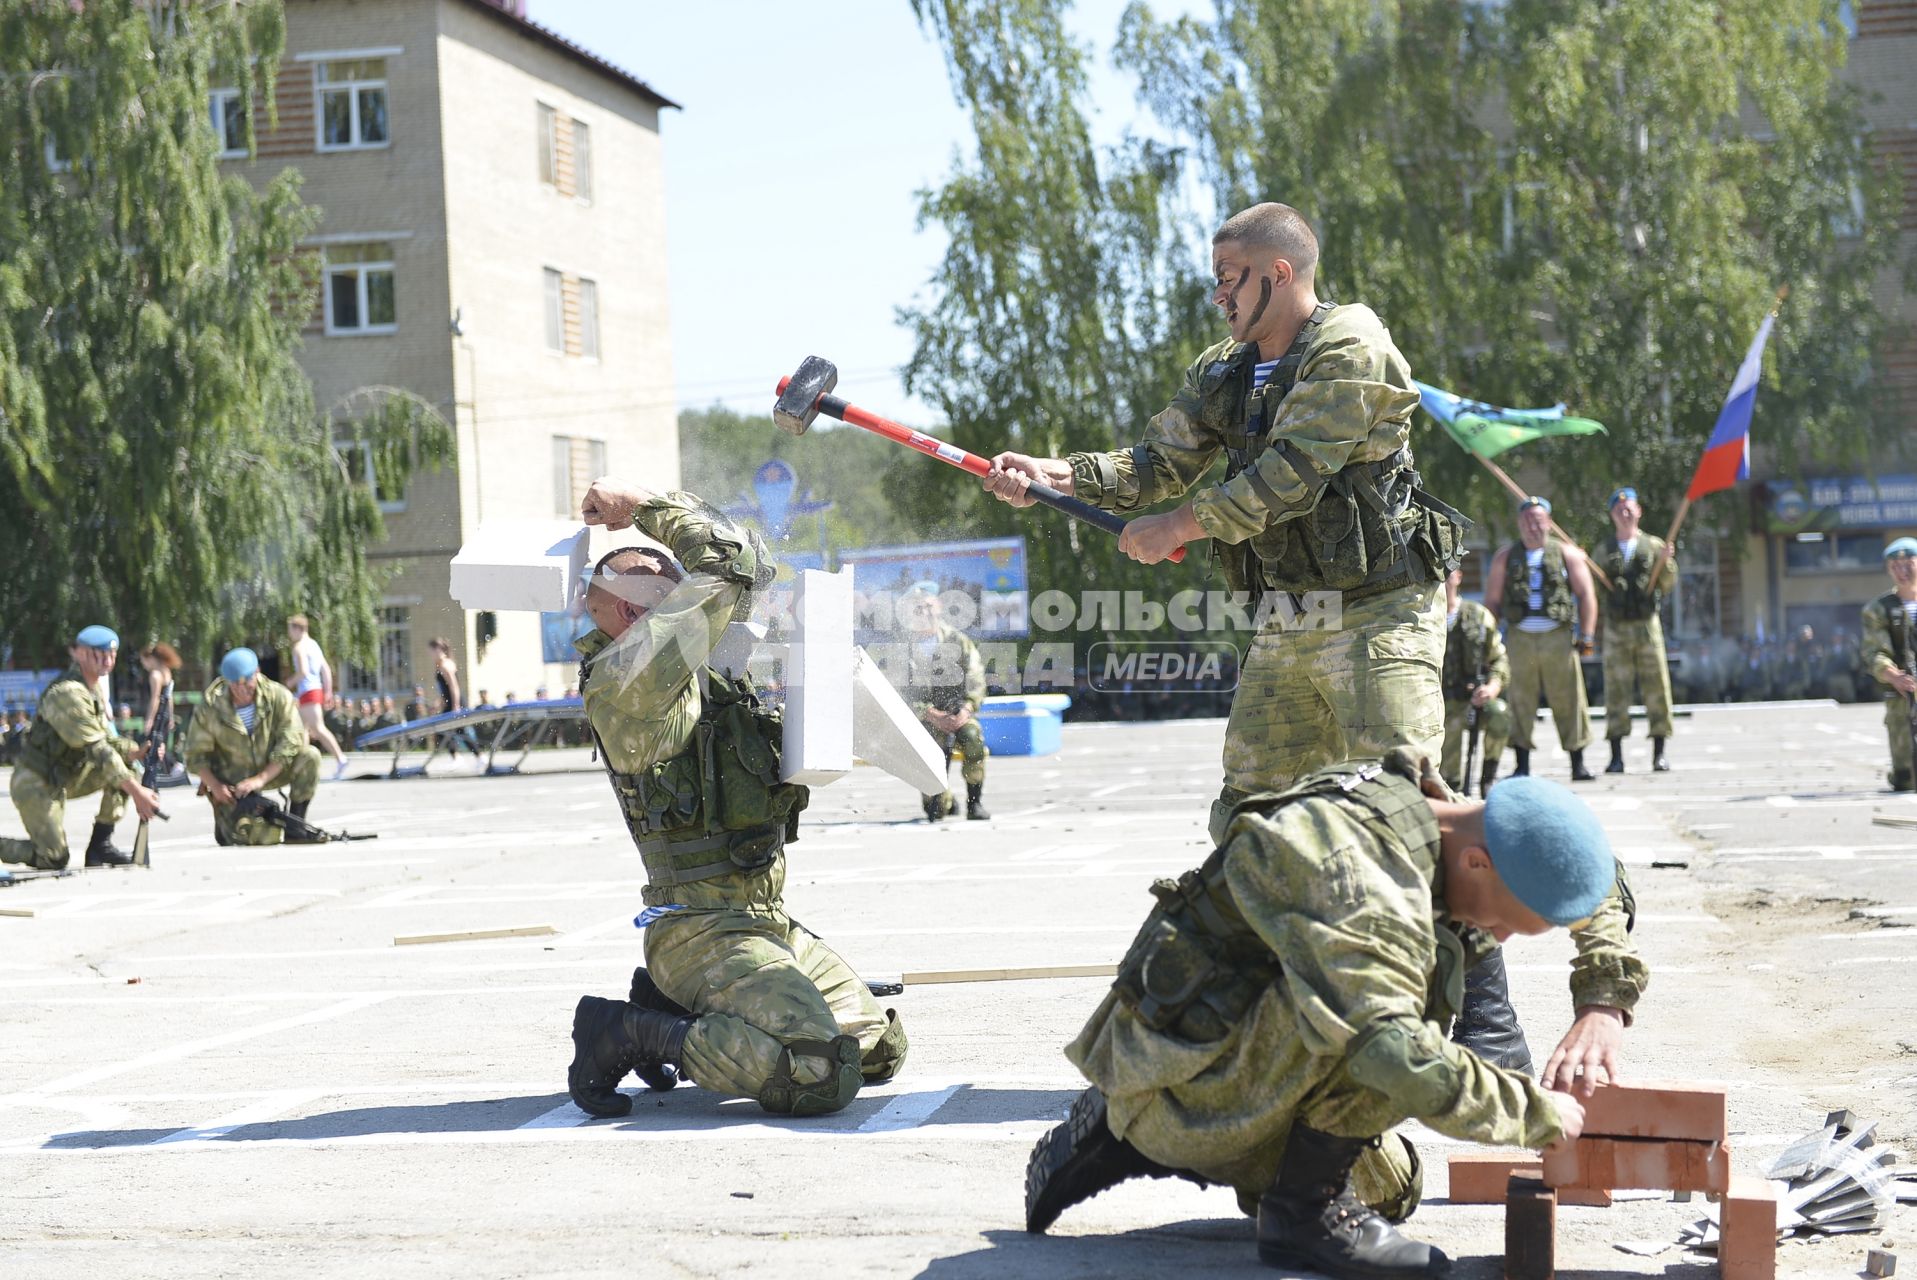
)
(1564, 537)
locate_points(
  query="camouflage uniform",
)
(774, 1008)
(951, 675)
(69, 752)
(1886, 647)
(1472, 649)
(1303, 975)
(1543, 661)
(1319, 496)
(218, 742)
(1634, 659)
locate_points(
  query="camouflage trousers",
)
(1494, 733)
(1634, 667)
(760, 988)
(1544, 662)
(1313, 697)
(43, 809)
(1897, 725)
(301, 780)
(968, 744)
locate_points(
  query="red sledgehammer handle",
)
(965, 460)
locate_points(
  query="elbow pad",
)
(1405, 1061)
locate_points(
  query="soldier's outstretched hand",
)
(1570, 1115)
(610, 502)
(1588, 1055)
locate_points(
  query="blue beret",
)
(98, 637)
(1548, 848)
(238, 664)
(1620, 495)
(1901, 547)
(1535, 501)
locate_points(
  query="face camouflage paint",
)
(1264, 300)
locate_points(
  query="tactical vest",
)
(45, 751)
(1197, 966)
(1898, 622)
(1465, 665)
(1631, 598)
(717, 805)
(1557, 584)
(1372, 527)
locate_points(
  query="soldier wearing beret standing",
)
(1890, 650)
(1640, 573)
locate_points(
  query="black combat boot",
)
(1079, 1159)
(975, 807)
(1658, 763)
(1488, 1025)
(100, 850)
(935, 806)
(645, 994)
(1901, 780)
(1311, 1221)
(1617, 757)
(1578, 772)
(1523, 769)
(610, 1038)
(297, 810)
(1485, 779)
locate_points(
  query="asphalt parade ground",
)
(224, 1066)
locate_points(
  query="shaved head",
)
(626, 584)
(1277, 229)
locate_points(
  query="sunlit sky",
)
(792, 173)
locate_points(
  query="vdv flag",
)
(1727, 458)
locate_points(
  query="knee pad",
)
(883, 1060)
(1389, 1178)
(783, 1095)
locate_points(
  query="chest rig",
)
(46, 752)
(1631, 598)
(1370, 527)
(1898, 620)
(1556, 584)
(716, 806)
(1197, 967)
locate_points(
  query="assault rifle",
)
(297, 829)
(155, 747)
(1910, 700)
(1473, 726)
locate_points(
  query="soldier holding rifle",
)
(1890, 649)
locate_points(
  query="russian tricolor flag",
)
(1727, 458)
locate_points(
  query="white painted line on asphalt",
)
(564, 1116)
(334, 864)
(267, 1108)
(574, 937)
(161, 1057)
(1781, 802)
(1709, 826)
(908, 1111)
(268, 997)
(1112, 790)
(1875, 935)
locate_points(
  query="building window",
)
(1834, 553)
(582, 161)
(555, 307)
(359, 288)
(572, 315)
(576, 463)
(395, 656)
(352, 104)
(228, 108)
(548, 145)
(357, 457)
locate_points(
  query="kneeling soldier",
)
(246, 738)
(1283, 1008)
(72, 751)
(739, 997)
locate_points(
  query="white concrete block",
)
(819, 679)
(887, 734)
(525, 565)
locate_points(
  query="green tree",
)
(1586, 202)
(1067, 304)
(162, 465)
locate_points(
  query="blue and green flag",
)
(1487, 430)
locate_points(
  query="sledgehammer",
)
(808, 393)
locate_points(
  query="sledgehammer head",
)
(798, 404)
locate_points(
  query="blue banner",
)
(985, 579)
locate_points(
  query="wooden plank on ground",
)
(25, 913)
(933, 977)
(474, 935)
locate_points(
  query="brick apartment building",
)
(493, 240)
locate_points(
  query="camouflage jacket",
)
(1632, 596)
(642, 692)
(1887, 637)
(1472, 644)
(1358, 933)
(947, 676)
(71, 743)
(217, 741)
(1352, 404)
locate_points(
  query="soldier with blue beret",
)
(1890, 651)
(1284, 1007)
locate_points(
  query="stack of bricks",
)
(1636, 1137)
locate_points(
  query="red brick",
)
(1648, 1164)
(1530, 1230)
(1656, 1111)
(1748, 1220)
(1480, 1177)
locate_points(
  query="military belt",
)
(671, 862)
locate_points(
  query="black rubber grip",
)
(1078, 510)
